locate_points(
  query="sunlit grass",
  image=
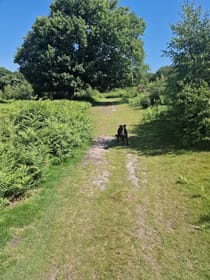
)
(159, 230)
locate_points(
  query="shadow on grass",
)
(154, 138)
(157, 137)
(107, 102)
(204, 222)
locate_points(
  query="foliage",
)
(191, 111)
(89, 94)
(190, 48)
(135, 101)
(115, 93)
(145, 102)
(153, 113)
(129, 93)
(31, 138)
(162, 73)
(152, 87)
(5, 76)
(156, 91)
(188, 86)
(13, 85)
(83, 43)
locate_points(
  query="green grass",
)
(176, 213)
(69, 229)
(22, 216)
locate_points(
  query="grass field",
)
(118, 212)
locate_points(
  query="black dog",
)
(122, 134)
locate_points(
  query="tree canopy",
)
(13, 85)
(190, 48)
(189, 80)
(81, 43)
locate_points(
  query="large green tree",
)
(88, 42)
(188, 88)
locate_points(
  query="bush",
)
(136, 101)
(23, 91)
(145, 102)
(191, 112)
(32, 138)
(115, 93)
(129, 93)
(158, 112)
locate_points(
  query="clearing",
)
(123, 212)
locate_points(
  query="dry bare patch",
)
(136, 173)
(131, 165)
(96, 157)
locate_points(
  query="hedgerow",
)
(34, 135)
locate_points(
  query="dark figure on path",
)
(122, 134)
(119, 133)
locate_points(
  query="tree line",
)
(97, 44)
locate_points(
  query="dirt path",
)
(115, 173)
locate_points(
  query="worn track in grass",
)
(119, 214)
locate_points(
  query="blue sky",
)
(17, 17)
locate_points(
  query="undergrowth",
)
(34, 135)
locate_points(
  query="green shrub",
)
(129, 93)
(191, 111)
(136, 101)
(158, 112)
(116, 93)
(23, 91)
(32, 138)
(145, 102)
